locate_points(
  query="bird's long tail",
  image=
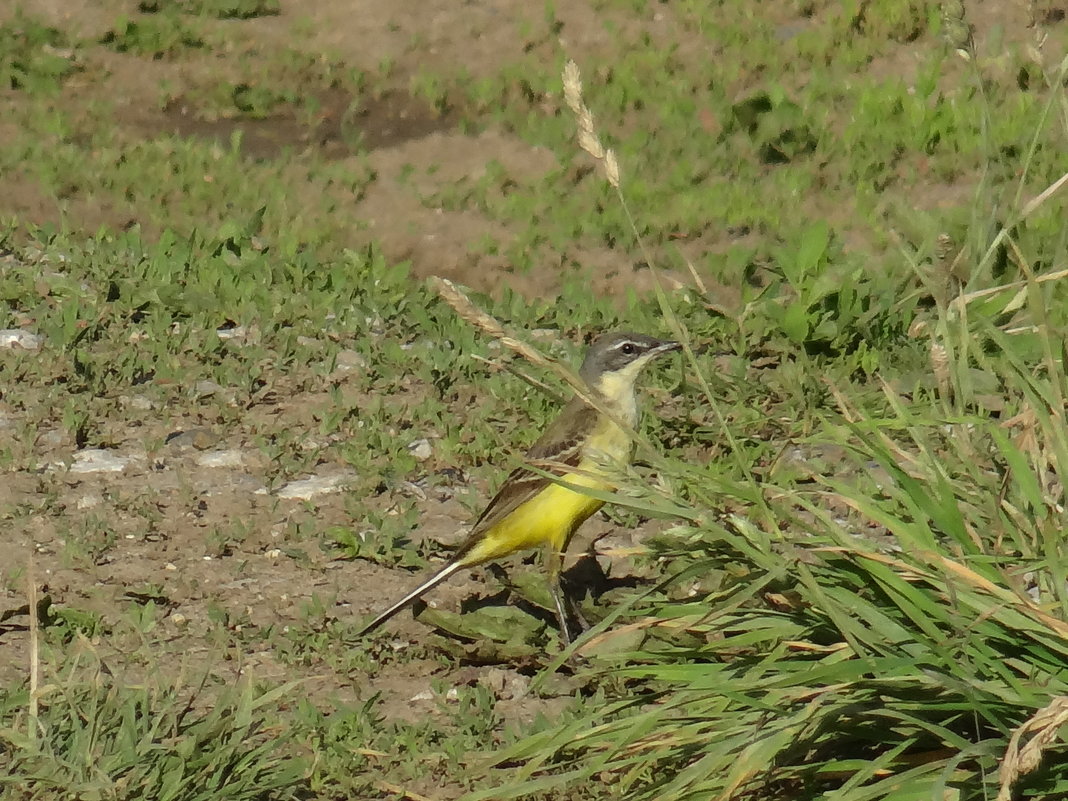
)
(427, 585)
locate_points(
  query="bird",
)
(583, 447)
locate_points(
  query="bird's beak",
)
(667, 346)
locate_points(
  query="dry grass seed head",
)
(587, 132)
(1043, 728)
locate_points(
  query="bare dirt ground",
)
(191, 519)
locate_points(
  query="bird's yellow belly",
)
(550, 517)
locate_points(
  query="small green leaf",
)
(795, 322)
(810, 252)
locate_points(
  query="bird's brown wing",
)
(561, 443)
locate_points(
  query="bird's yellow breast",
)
(552, 516)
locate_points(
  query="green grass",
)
(99, 737)
(861, 592)
(152, 36)
(33, 57)
(223, 9)
(818, 661)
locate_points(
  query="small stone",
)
(494, 680)
(137, 402)
(88, 502)
(170, 566)
(52, 438)
(518, 686)
(420, 449)
(13, 338)
(199, 438)
(410, 489)
(236, 332)
(204, 389)
(308, 488)
(349, 360)
(227, 458)
(273, 553)
(425, 695)
(179, 620)
(240, 334)
(98, 460)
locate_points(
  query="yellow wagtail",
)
(531, 509)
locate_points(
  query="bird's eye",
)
(628, 349)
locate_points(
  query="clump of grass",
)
(34, 57)
(156, 37)
(88, 733)
(221, 9)
(895, 626)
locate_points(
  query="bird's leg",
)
(577, 614)
(554, 561)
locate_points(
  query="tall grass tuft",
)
(895, 623)
(98, 735)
